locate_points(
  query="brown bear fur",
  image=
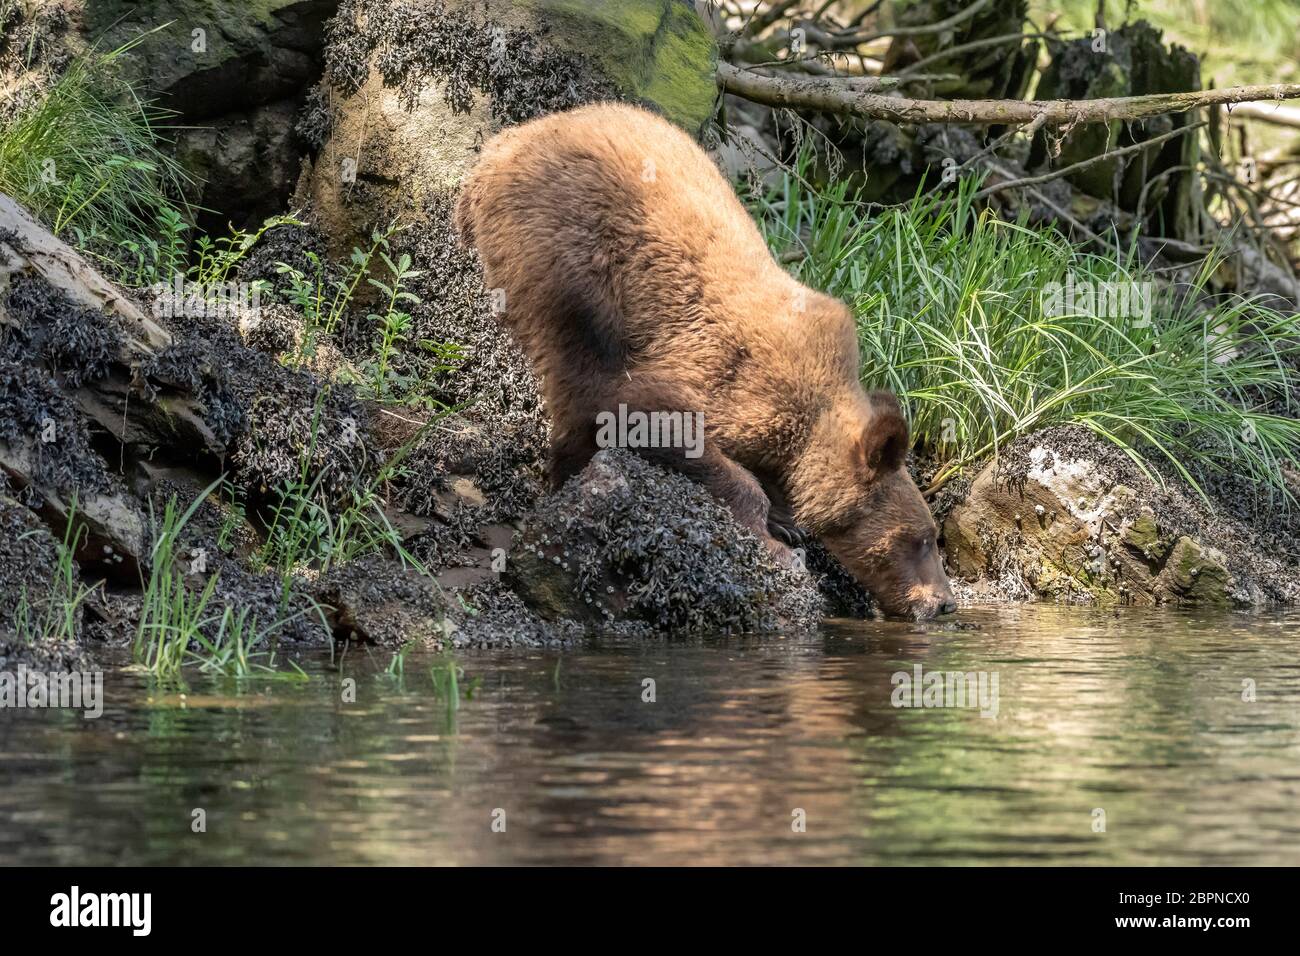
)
(633, 275)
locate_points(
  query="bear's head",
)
(873, 517)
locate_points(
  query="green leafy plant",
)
(154, 260)
(393, 323)
(324, 301)
(218, 258)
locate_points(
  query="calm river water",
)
(1120, 737)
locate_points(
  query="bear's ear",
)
(884, 442)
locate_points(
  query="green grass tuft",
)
(83, 152)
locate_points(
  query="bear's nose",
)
(948, 607)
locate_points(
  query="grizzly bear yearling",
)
(637, 284)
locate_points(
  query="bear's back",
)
(617, 208)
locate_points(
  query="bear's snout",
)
(931, 596)
(934, 607)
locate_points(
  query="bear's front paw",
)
(779, 550)
(780, 525)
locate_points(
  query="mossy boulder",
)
(657, 52)
(1064, 515)
(234, 75)
(1197, 574)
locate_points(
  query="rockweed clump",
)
(79, 343)
(293, 245)
(499, 436)
(37, 416)
(272, 418)
(28, 558)
(641, 543)
(35, 38)
(29, 572)
(412, 44)
(318, 116)
(186, 366)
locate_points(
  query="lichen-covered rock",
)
(1064, 514)
(626, 540)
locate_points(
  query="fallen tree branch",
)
(29, 245)
(813, 93)
(1083, 164)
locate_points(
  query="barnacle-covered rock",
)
(491, 615)
(626, 540)
(377, 601)
(481, 467)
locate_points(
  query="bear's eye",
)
(927, 544)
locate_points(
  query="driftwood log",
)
(118, 410)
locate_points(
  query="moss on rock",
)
(657, 52)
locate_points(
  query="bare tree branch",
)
(761, 21)
(815, 93)
(970, 47)
(1083, 163)
(840, 41)
(1265, 113)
